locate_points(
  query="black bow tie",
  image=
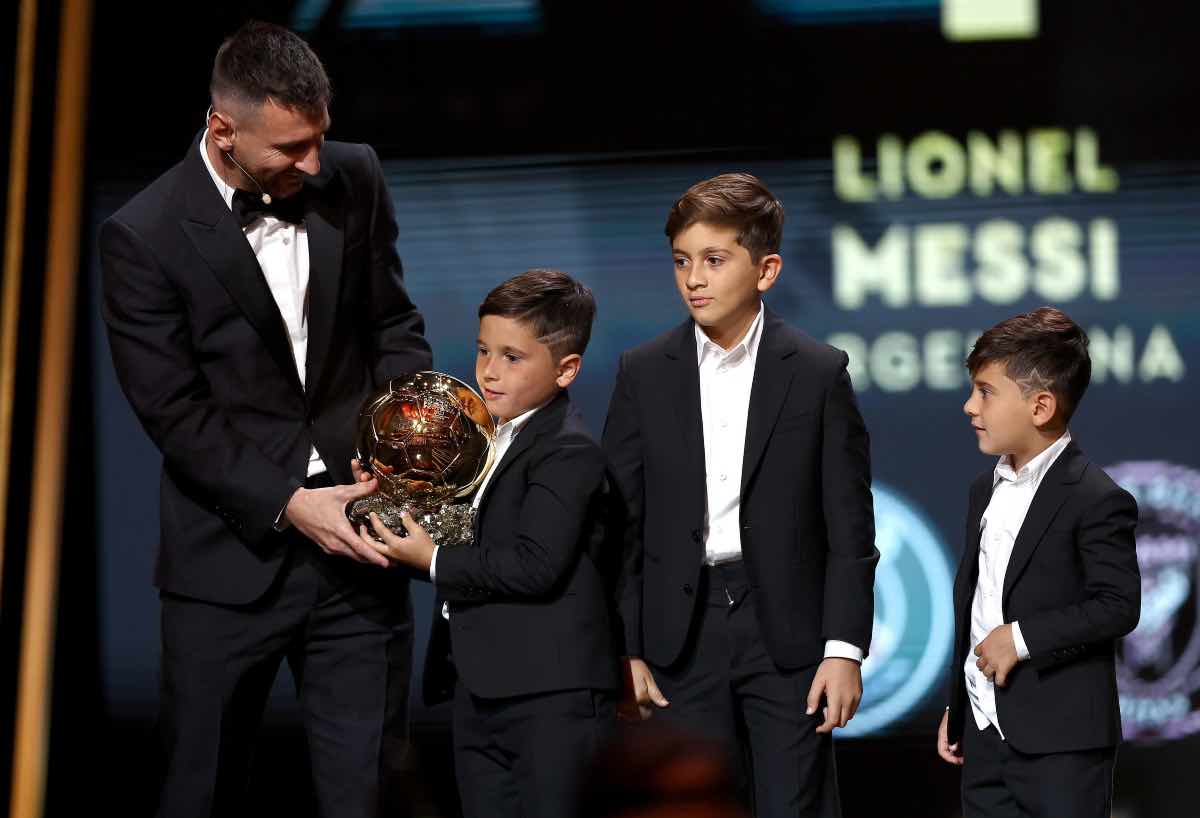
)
(249, 206)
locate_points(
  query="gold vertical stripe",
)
(50, 433)
(14, 242)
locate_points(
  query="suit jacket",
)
(806, 516)
(204, 357)
(1073, 584)
(530, 598)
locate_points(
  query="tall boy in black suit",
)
(1048, 582)
(743, 459)
(527, 619)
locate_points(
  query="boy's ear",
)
(1045, 406)
(568, 368)
(769, 267)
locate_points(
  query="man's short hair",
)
(1040, 350)
(736, 200)
(557, 308)
(261, 62)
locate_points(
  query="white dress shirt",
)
(1012, 494)
(726, 379)
(505, 434)
(282, 252)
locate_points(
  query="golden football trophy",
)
(429, 440)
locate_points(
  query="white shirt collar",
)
(224, 187)
(748, 344)
(1036, 468)
(509, 428)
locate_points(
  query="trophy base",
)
(450, 524)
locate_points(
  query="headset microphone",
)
(266, 197)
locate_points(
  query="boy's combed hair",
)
(736, 200)
(262, 61)
(1040, 350)
(558, 309)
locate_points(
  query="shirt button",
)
(724, 423)
(286, 240)
(722, 478)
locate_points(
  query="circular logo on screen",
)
(914, 619)
(1158, 665)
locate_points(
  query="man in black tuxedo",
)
(254, 298)
(1048, 582)
(747, 596)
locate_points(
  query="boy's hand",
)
(416, 549)
(950, 753)
(840, 681)
(641, 692)
(997, 655)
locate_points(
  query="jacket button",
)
(687, 589)
(697, 536)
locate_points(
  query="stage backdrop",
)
(897, 250)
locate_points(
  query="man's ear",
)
(221, 129)
(568, 368)
(1045, 405)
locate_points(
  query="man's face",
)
(719, 282)
(279, 146)
(515, 371)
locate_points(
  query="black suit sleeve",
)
(622, 444)
(539, 555)
(397, 329)
(849, 517)
(154, 359)
(1112, 581)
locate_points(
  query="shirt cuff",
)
(282, 523)
(433, 565)
(1019, 641)
(843, 650)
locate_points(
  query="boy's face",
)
(1005, 421)
(720, 284)
(515, 371)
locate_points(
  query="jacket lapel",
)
(772, 380)
(219, 240)
(542, 420)
(324, 219)
(682, 383)
(965, 577)
(1050, 496)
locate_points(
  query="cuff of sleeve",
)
(843, 650)
(282, 523)
(1019, 641)
(433, 565)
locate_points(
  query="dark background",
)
(561, 139)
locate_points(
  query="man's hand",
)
(950, 753)
(997, 655)
(641, 692)
(416, 549)
(840, 681)
(320, 515)
(356, 469)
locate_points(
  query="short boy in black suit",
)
(526, 614)
(741, 454)
(1047, 584)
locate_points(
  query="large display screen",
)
(898, 249)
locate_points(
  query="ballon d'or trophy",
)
(429, 440)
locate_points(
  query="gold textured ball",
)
(428, 438)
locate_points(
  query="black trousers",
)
(345, 630)
(1000, 782)
(727, 688)
(524, 756)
